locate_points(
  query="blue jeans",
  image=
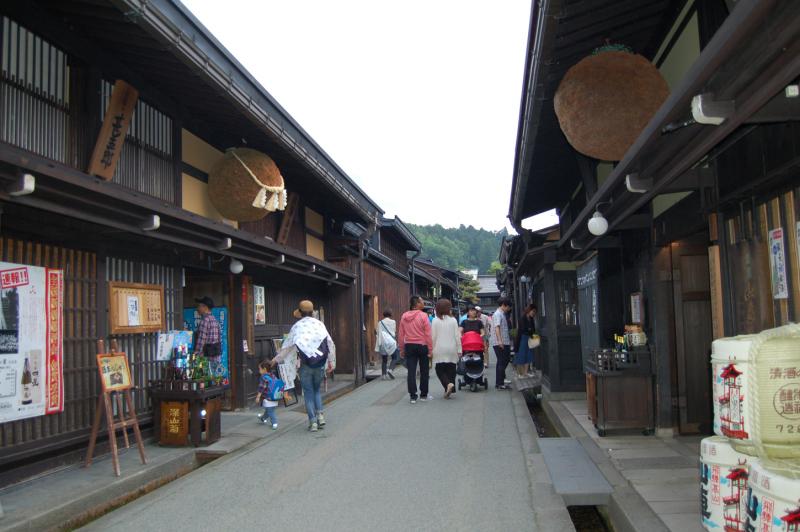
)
(269, 412)
(311, 382)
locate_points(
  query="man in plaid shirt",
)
(207, 335)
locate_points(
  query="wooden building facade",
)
(702, 218)
(153, 221)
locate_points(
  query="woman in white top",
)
(446, 346)
(386, 344)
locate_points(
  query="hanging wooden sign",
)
(109, 143)
(136, 308)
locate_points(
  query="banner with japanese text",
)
(31, 340)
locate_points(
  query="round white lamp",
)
(598, 225)
(236, 267)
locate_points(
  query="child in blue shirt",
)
(263, 399)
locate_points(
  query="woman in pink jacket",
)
(416, 346)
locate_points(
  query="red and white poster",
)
(31, 341)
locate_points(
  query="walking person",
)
(416, 345)
(473, 323)
(446, 346)
(317, 354)
(501, 341)
(267, 384)
(527, 328)
(386, 344)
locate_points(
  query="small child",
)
(262, 398)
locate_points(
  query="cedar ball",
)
(605, 100)
(232, 190)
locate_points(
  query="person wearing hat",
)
(317, 354)
(208, 334)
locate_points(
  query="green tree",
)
(463, 247)
(495, 267)
(469, 290)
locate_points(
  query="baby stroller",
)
(471, 363)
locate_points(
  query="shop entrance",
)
(198, 284)
(693, 333)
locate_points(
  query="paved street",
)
(380, 464)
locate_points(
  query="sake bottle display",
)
(27, 381)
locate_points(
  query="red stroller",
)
(471, 364)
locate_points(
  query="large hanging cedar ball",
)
(231, 188)
(605, 101)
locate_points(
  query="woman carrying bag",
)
(386, 344)
(446, 346)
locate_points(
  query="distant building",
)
(488, 293)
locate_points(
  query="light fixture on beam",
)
(280, 259)
(638, 185)
(151, 223)
(574, 245)
(24, 185)
(236, 267)
(312, 268)
(225, 243)
(598, 225)
(706, 110)
(335, 276)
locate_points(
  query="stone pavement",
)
(656, 480)
(381, 463)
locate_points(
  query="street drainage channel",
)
(584, 518)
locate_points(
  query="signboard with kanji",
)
(174, 422)
(114, 372)
(136, 308)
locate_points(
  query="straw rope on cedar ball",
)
(605, 101)
(232, 189)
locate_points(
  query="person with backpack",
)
(270, 391)
(416, 346)
(386, 344)
(317, 354)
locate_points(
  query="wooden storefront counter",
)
(178, 414)
(621, 401)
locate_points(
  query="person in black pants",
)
(416, 345)
(416, 353)
(501, 342)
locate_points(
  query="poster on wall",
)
(190, 320)
(171, 340)
(260, 311)
(31, 334)
(777, 264)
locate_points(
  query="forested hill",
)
(462, 248)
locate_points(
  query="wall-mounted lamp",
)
(23, 186)
(598, 225)
(236, 267)
(151, 223)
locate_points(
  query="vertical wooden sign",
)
(109, 143)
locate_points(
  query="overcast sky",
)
(417, 101)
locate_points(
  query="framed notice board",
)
(136, 308)
(115, 375)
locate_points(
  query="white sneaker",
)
(274, 426)
(313, 427)
(320, 420)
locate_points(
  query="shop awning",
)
(65, 191)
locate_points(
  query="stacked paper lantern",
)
(750, 471)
